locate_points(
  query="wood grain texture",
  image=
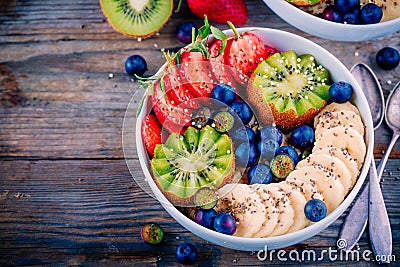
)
(66, 195)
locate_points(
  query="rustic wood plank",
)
(84, 212)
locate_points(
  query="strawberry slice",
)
(245, 53)
(196, 71)
(151, 133)
(168, 113)
(220, 68)
(177, 91)
(270, 51)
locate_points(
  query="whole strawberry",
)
(220, 11)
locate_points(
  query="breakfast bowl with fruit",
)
(250, 137)
(340, 20)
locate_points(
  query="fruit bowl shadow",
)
(282, 41)
(330, 30)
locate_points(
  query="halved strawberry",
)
(245, 53)
(151, 133)
(168, 113)
(270, 51)
(220, 69)
(178, 92)
(196, 71)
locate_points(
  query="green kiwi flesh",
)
(137, 18)
(188, 162)
(292, 85)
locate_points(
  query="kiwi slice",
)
(196, 159)
(206, 198)
(294, 87)
(152, 233)
(137, 18)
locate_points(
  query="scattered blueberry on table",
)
(186, 253)
(185, 32)
(388, 58)
(135, 65)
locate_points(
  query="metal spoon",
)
(379, 226)
(356, 221)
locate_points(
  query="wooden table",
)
(66, 195)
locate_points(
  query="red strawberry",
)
(220, 11)
(245, 53)
(196, 71)
(177, 91)
(166, 112)
(151, 133)
(270, 50)
(219, 66)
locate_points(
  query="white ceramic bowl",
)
(330, 30)
(283, 41)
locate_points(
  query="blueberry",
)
(224, 223)
(185, 32)
(340, 92)
(243, 134)
(332, 14)
(205, 217)
(302, 136)
(371, 13)
(346, 5)
(135, 65)
(224, 93)
(271, 132)
(315, 210)
(387, 58)
(259, 174)
(267, 148)
(290, 151)
(352, 17)
(246, 154)
(242, 110)
(186, 253)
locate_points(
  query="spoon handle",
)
(356, 221)
(380, 233)
(385, 157)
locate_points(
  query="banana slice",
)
(309, 190)
(271, 211)
(298, 202)
(285, 209)
(345, 138)
(326, 182)
(345, 157)
(347, 106)
(339, 118)
(245, 205)
(331, 164)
